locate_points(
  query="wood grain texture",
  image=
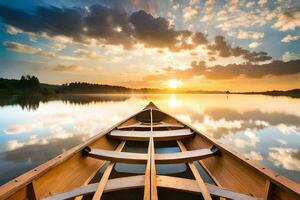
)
(168, 182)
(106, 174)
(145, 135)
(196, 174)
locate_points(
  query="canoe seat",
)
(145, 135)
(141, 158)
(148, 125)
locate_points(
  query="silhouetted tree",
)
(29, 83)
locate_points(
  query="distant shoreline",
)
(16, 87)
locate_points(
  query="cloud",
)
(19, 128)
(209, 6)
(97, 24)
(288, 56)
(58, 46)
(223, 49)
(288, 20)
(21, 48)
(262, 2)
(290, 38)
(190, 12)
(157, 32)
(193, 2)
(66, 68)
(238, 18)
(254, 155)
(12, 30)
(250, 35)
(219, 72)
(46, 54)
(252, 139)
(287, 158)
(250, 4)
(83, 53)
(254, 45)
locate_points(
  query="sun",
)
(173, 83)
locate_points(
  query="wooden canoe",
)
(75, 174)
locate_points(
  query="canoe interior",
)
(128, 178)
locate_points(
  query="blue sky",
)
(200, 44)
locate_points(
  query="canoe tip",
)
(151, 105)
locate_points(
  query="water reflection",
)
(33, 102)
(263, 128)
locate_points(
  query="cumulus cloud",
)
(247, 70)
(250, 35)
(254, 155)
(288, 56)
(287, 158)
(254, 45)
(97, 24)
(222, 48)
(209, 7)
(190, 12)
(290, 38)
(288, 20)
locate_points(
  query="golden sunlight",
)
(173, 83)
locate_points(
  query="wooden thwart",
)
(140, 158)
(158, 125)
(145, 135)
(182, 157)
(123, 157)
(132, 182)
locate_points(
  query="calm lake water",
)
(263, 128)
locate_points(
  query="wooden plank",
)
(196, 174)
(268, 190)
(112, 185)
(192, 186)
(145, 135)
(182, 157)
(106, 174)
(150, 190)
(154, 195)
(168, 182)
(31, 194)
(124, 157)
(158, 125)
(138, 158)
(147, 187)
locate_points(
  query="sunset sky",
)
(193, 44)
